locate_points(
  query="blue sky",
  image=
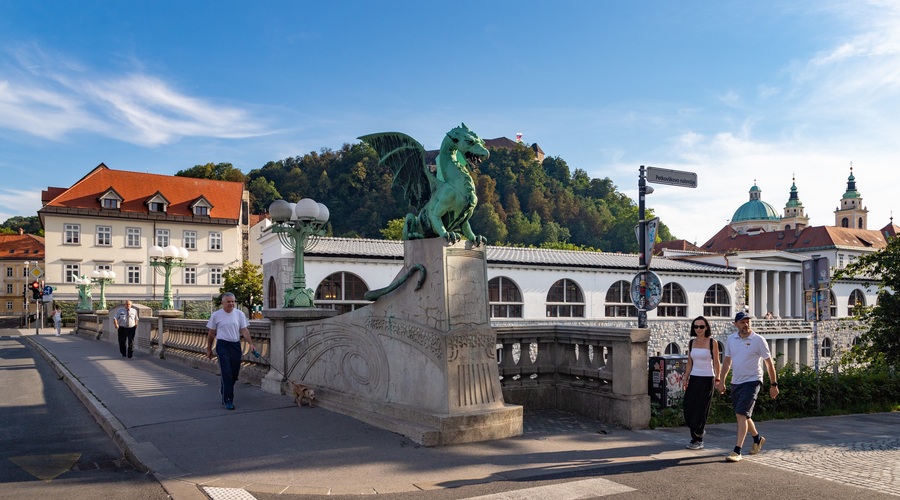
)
(737, 92)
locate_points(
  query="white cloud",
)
(57, 98)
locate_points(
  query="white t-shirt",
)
(746, 355)
(228, 325)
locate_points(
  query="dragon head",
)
(469, 147)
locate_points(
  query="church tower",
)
(851, 213)
(794, 214)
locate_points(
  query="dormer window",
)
(157, 203)
(201, 207)
(110, 200)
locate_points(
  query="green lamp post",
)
(298, 226)
(103, 278)
(164, 259)
(85, 301)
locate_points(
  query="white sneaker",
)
(734, 457)
(695, 445)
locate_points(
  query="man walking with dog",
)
(226, 327)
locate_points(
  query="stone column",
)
(776, 294)
(751, 290)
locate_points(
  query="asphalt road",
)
(50, 446)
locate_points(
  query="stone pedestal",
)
(418, 362)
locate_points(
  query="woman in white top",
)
(700, 379)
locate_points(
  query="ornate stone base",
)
(419, 362)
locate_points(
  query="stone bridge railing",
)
(599, 372)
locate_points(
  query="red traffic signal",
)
(36, 290)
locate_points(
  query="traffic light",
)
(36, 290)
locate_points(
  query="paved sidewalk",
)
(168, 418)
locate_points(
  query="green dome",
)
(755, 209)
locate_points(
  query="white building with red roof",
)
(110, 219)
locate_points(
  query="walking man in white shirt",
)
(126, 324)
(743, 352)
(226, 327)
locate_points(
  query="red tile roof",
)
(137, 187)
(810, 237)
(684, 245)
(21, 247)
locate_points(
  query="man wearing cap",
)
(743, 352)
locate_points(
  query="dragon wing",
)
(406, 158)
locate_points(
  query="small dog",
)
(304, 393)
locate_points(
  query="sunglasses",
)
(699, 327)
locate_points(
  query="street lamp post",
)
(164, 259)
(102, 278)
(299, 226)
(85, 301)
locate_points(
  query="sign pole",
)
(642, 256)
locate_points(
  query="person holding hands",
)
(743, 352)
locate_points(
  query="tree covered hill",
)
(520, 201)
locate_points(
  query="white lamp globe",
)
(112, 275)
(307, 209)
(324, 214)
(95, 273)
(281, 211)
(156, 251)
(183, 253)
(171, 251)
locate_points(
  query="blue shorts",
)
(743, 397)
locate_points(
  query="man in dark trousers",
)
(226, 327)
(126, 324)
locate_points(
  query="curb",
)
(144, 456)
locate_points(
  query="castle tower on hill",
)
(851, 214)
(795, 216)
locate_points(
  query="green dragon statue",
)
(445, 199)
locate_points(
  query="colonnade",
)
(778, 292)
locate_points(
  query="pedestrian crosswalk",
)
(575, 490)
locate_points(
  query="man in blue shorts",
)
(743, 352)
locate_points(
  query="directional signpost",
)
(644, 279)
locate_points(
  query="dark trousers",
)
(126, 340)
(697, 400)
(229, 354)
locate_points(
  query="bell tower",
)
(852, 213)
(794, 214)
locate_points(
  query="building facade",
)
(110, 219)
(21, 264)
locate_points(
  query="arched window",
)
(565, 300)
(272, 299)
(845, 222)
(673, 302)
(618, 301)
(342, 291)
(505, 298)
(826, 347)
(716, 302)
(673, 349)
(857, 299)
(855, 341)
(832, 309)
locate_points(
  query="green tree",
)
(394, 230)
(262, 194)
(881, 342)
(30, 225)
(216, 172)
(246, 283)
